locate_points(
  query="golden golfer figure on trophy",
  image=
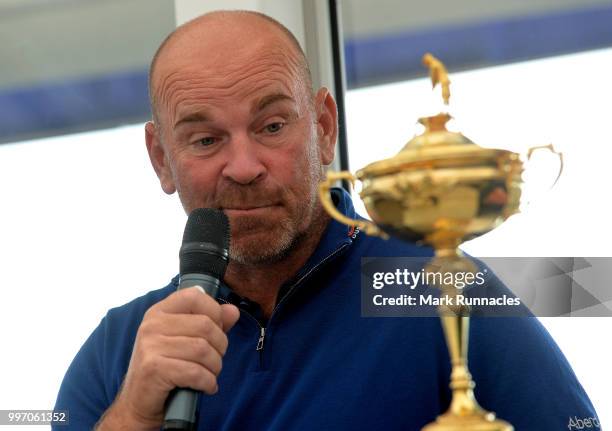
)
(442, 189)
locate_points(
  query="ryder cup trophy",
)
(442, 189)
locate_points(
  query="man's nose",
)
(244, 165)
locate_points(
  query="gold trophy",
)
(442, 189)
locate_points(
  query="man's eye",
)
(207, 141)
(274, 127)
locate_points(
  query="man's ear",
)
(326, 113)
(159, 158)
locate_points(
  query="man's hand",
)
(180, 343)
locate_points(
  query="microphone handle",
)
(182, 403)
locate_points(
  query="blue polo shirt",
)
(316, 364)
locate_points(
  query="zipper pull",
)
(260, 342)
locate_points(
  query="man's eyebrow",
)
(194, 117)
(270, 99)
(261, 104)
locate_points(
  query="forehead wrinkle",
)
(200, 101)
(165, 86)
(229, 84)
(268, 56)
(269, 100)
(275, 69)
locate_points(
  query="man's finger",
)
(229, 316)
(187, 374)
(191, 300)
(194, 349)
(187, 325)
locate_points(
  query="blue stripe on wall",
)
(120, 98)
(72, 106)
(398, 56)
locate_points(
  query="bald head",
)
(202, 29)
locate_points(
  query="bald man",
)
(237, 126)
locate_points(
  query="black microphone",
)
(203, 259)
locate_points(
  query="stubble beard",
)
(278, 240)
(277, 245)
(290, 233)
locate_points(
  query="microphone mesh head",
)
(209, 228)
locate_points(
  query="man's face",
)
(241, 133)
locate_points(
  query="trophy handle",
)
(324, 187)
(550, 148)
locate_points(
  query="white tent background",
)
(85, 227)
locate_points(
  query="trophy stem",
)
(464, 412)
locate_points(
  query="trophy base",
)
(483, 421)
